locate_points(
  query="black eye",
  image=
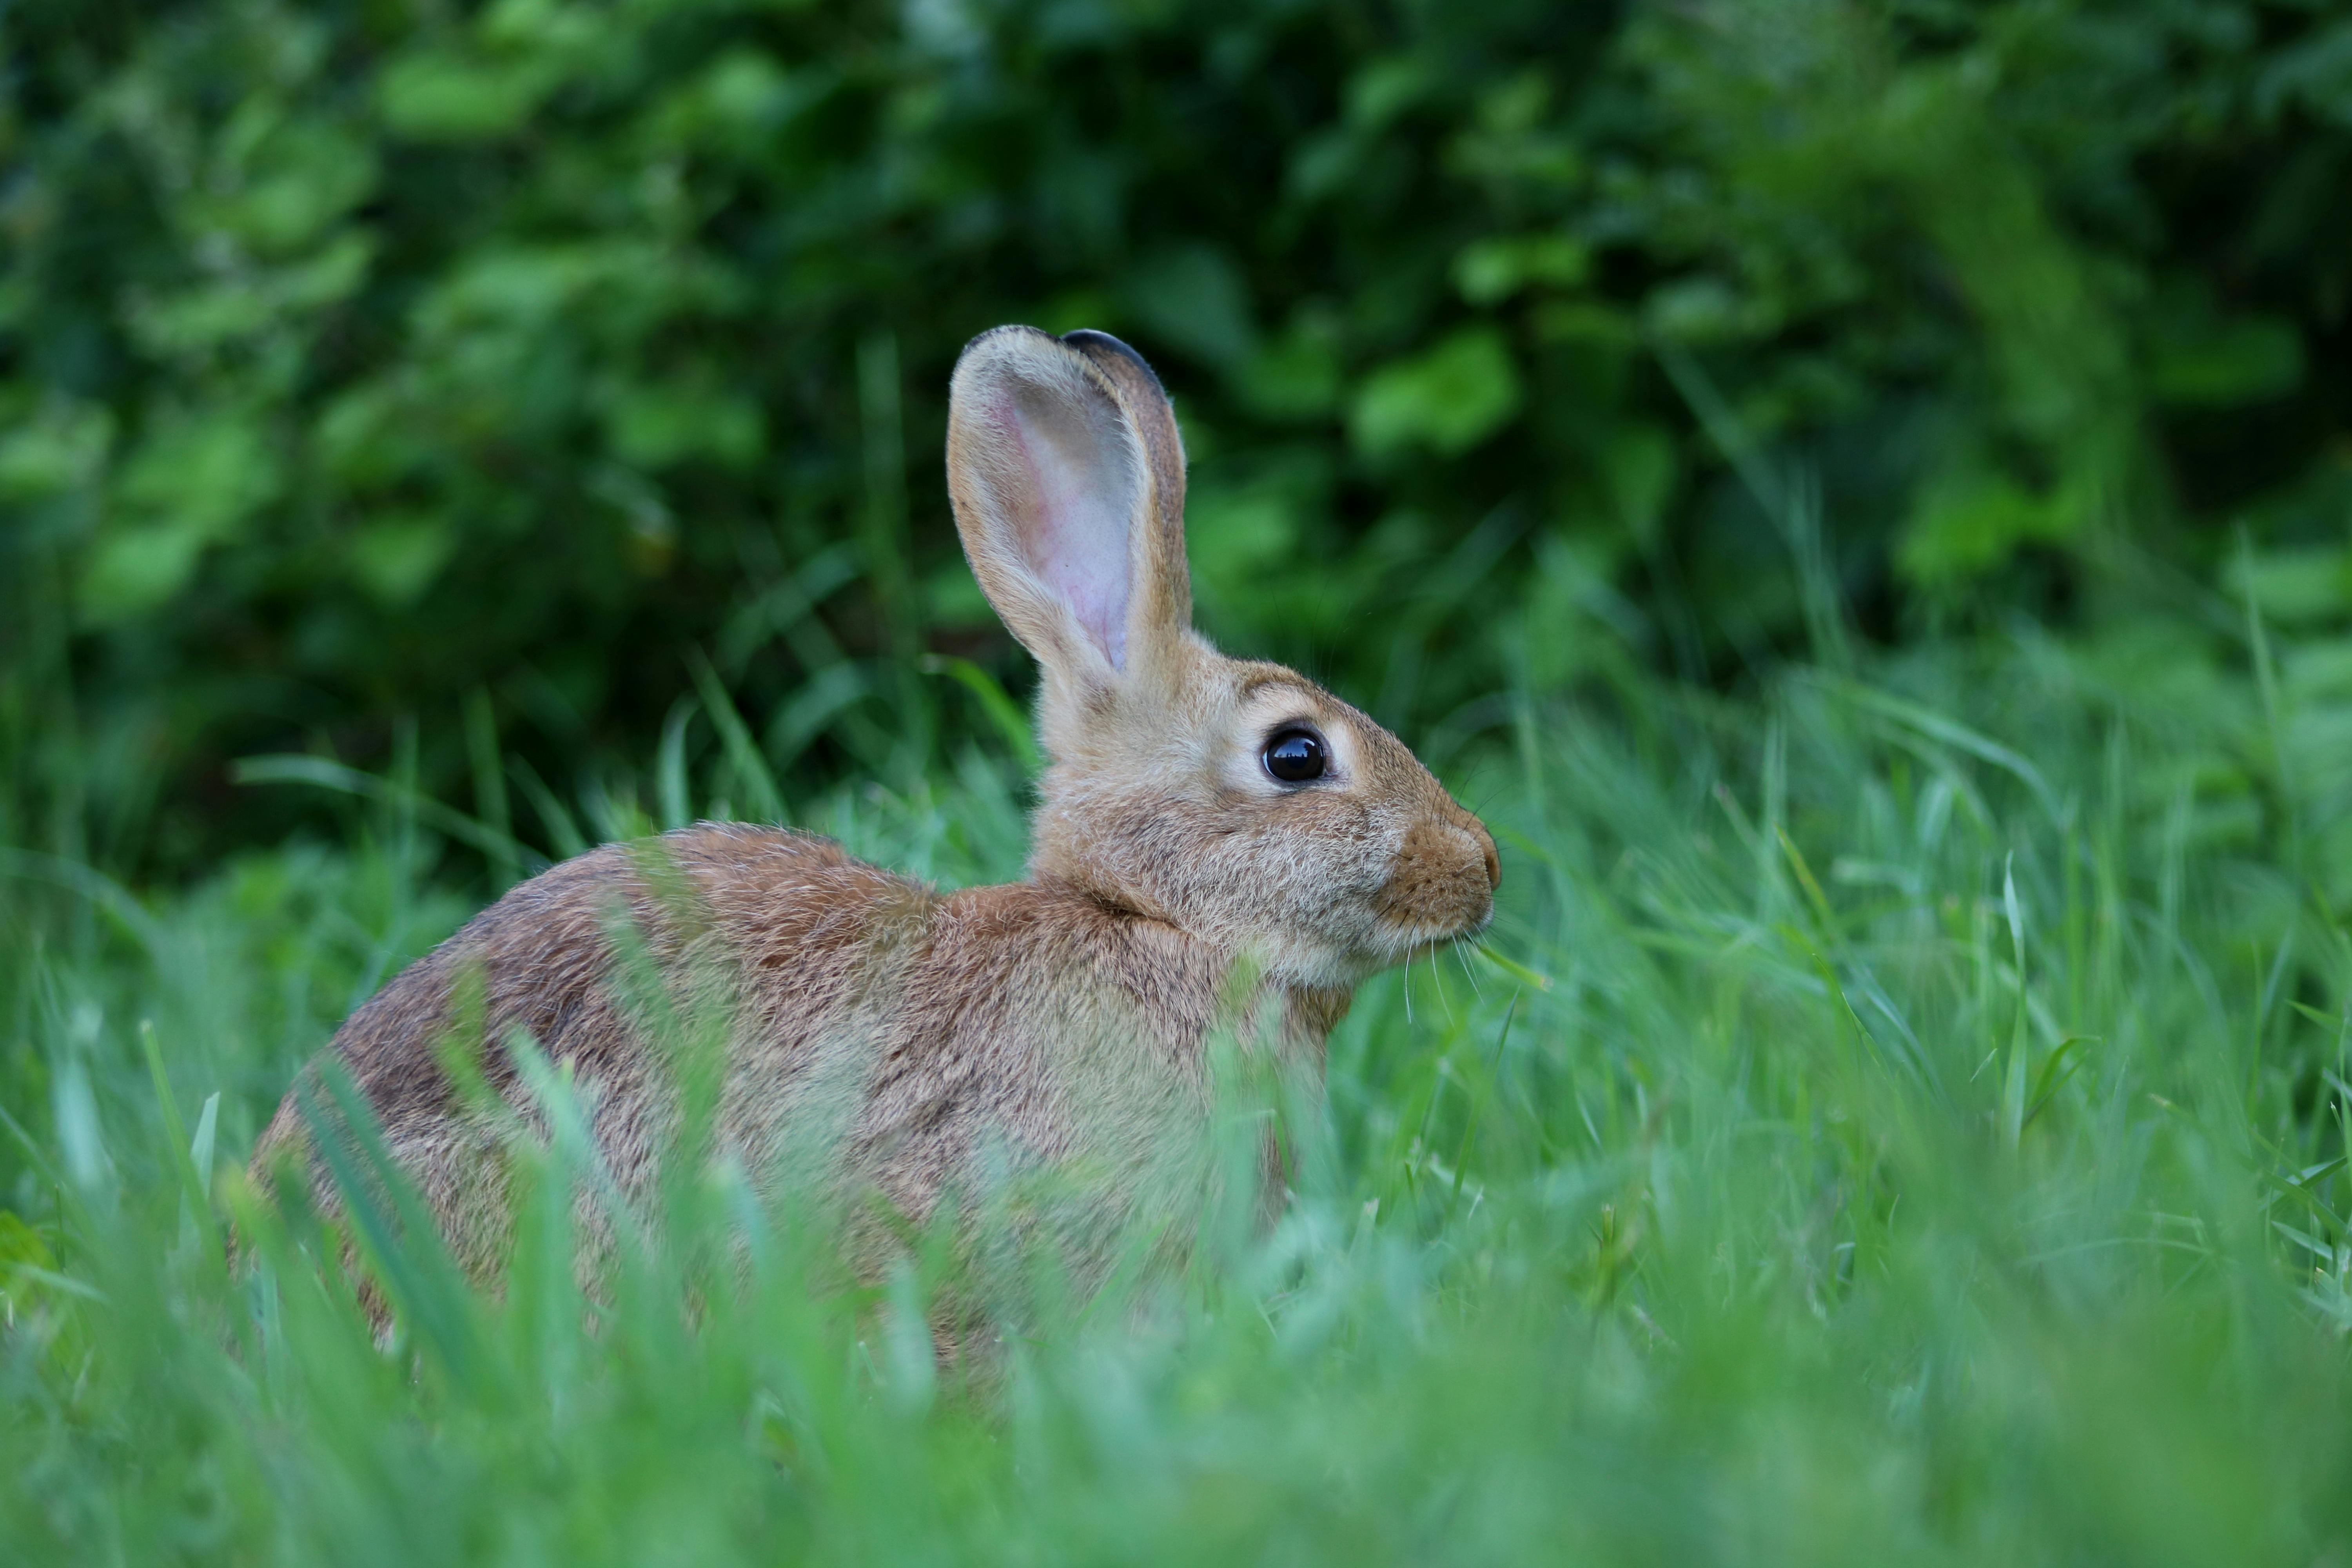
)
(1295, 756)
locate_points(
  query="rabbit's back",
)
(775, 940)
(879, 1036)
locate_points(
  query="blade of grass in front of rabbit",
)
(1478, 1106)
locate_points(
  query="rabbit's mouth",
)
(1440, 889)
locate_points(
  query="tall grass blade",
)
(751, 768)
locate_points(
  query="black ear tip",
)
(1087, 341)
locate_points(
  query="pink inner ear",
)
(1083, 494)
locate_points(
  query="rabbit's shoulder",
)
(1031, 959)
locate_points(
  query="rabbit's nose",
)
(1486, 841)
(1433, 882)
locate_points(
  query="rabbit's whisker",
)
(1461, 946)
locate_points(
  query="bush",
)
(374, 376)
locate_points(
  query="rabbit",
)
(1200, 815)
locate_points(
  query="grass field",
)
(1901, 1117)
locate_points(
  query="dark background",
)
(434, 387)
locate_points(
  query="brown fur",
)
(884, 1038)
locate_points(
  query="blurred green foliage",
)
(1908, 1101)
(419, 383)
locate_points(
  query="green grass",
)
(1903, 1120)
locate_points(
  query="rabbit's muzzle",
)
(1442, 884)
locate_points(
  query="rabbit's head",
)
(1238, 801)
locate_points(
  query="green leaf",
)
(134, 569)
(751, 770)
(1194, 299)
(656, 425)
(2250, 360)
(324, 773)
(307, 174)
(195, 483)
(1974, 518)
(1293, 377)
(2057, 1070)
(1448, 399)
(1490, 271)
(1235, 536)
(2293, 586)
(396, 559)
(20, 1245)
(1532, 978)
(62, 448)
(431, 95)
(1011, 724)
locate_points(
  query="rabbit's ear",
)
(1068, 482)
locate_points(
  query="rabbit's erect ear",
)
(1068, 482)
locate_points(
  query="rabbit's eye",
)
(1296, 757)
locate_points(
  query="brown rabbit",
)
(1200, 815)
